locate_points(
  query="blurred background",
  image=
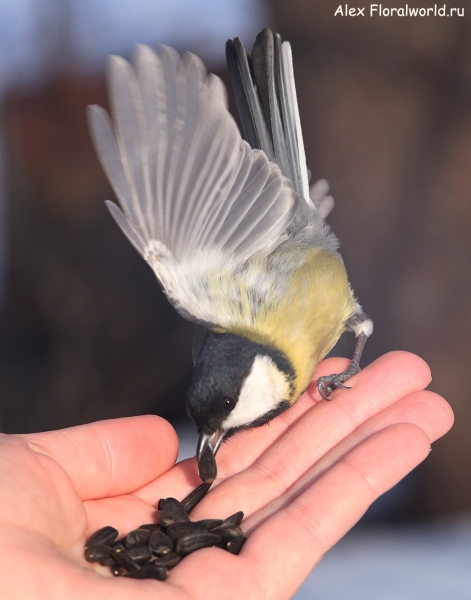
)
(85, 332)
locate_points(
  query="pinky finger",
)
(296, 537)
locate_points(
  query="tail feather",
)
(254, 127)
(266, 98)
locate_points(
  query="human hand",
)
(303, 481)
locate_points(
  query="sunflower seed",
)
(207, 468)
(163, 518)
(97, 553)
(150, 526)
(235, 545)
(149, 572)
(137, 537)
(173, 508)
(119, 545)
(178, 530)
(173, 537)
(190, 501)
(208, 524)
(108, 562)
(140, 554)
(105, 535)
(228, 533)
(123, 560)
(189, 543)
(168, 561)
(234, 520)
(160, 543)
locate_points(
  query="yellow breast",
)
(307, 323)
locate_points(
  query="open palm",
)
(302, 481)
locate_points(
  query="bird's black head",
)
(237, 383)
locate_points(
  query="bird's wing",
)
(194, 196)
(266, 98)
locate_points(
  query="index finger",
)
(110, 458)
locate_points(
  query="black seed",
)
(160, 543)
(189, 543)
(168, 561)
(163, 518)
(178, 530)
(208, 524)
(140, 554)
(119, 545)
(137, 537)
(234, 520)
(130, 556)
(207, 468)
(173, 508)
(108, 562)
(190, 501)
(150, 526)
(97, 553)
(228, 533)
(235, 545)
(105, 535)
(123, 560)
(149, 572)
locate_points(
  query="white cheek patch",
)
(262, 391)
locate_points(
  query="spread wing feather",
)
(185, 180)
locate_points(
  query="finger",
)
(275, 469)
(113, 457)
(327, 431)
(378, 385)
(383, 382)
(426, 409)
(294, 540)
(312, 523)
(423, 409)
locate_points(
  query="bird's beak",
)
(205, 453)
(211, 441)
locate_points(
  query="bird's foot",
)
(328, 383)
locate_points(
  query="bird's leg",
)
(328, 383)
(362, 326)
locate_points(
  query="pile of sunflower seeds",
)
(151, 550)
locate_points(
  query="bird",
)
(231, 227)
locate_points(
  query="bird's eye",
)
(228, 404)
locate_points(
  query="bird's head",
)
(237, 383)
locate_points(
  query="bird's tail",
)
(265, 93)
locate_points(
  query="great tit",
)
(230, 227)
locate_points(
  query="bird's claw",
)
(328, 383)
